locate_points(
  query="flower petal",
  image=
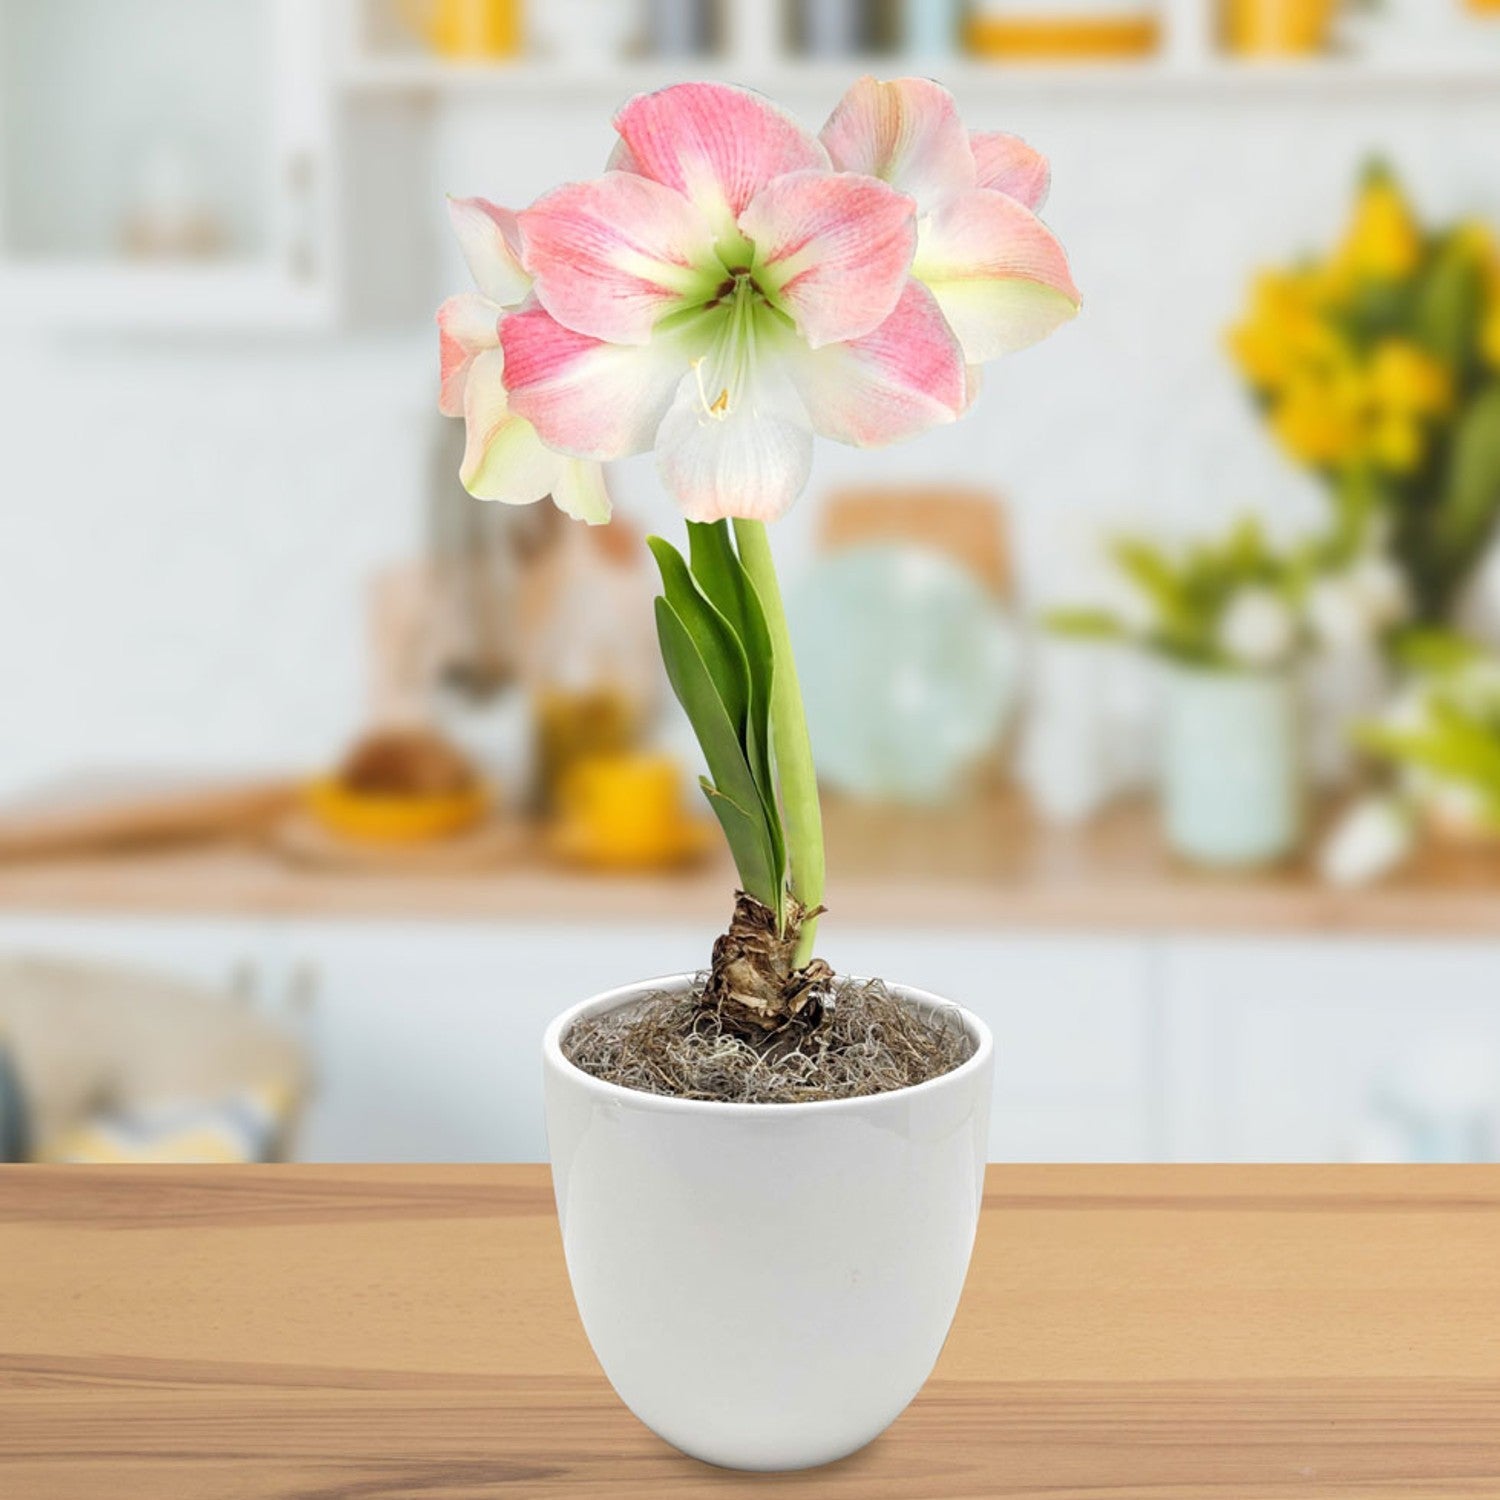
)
(589, 398)
(833, 250)
(906, 132)
(468, 325)
(504, 459)
(750, 461)
(998, 274)
(580, 491)
(717, 144)
(491, 244)
(904, 378)
(1007, 164)
(612, 256)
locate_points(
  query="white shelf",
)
(231, 296)
(235, 97)
(1335, 76)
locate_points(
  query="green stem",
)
(793, 750)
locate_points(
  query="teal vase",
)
(1232, 774)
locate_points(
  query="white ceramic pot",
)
(766, 1285)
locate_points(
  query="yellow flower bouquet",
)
(1378, 367)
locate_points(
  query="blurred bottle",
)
(681, 28)
(1090, 730)
(466, 28)
(931, 28)
(833, 28)
(592, 662)
(470, 633)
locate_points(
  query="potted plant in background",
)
(768, 1178)
(1378, 368)
(1233, 618)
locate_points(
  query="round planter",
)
(766, 1285)
(1232, 766)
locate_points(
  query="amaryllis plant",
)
(730, 286)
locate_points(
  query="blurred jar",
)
(1278, 28)
(1048, 29)
(592, 666)
(831, 28)
(466, 28)
(625, 812)
(930, 28)
(1232, 765)
(1090, 728)
(680, 28)
(587, 33)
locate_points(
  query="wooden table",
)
(369, 1333)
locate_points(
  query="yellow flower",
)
(1406, 380)
(1263, 355)
(1384, 242)
(1317, 421)
(1397, 443)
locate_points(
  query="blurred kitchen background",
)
(1156, 700)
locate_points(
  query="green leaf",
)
(1430, 649)
(1084, 624)
(1463, 752)
(745, 833)
(719, 573)
(1449, 302)
(716, 641)
(750, 837)
(1152, 572)
(1472, 498)
(1245, 550)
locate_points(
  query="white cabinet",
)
(1071, 1019)
(233, 954)
(1323, 1050)
(427, 1036)
(194, 191)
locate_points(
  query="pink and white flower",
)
(733, 285)
(504, 459)
(999, 276)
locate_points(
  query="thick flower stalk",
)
(728, 288)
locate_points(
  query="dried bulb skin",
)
(752, 982)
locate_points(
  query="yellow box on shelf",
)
(466, 29)
(1278, 28)
(1062, 30)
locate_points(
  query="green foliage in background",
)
(1187, 592)
(1446, 726)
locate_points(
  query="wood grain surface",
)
(369, 1333)
(989, 864)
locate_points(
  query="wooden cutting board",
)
(110, 813)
